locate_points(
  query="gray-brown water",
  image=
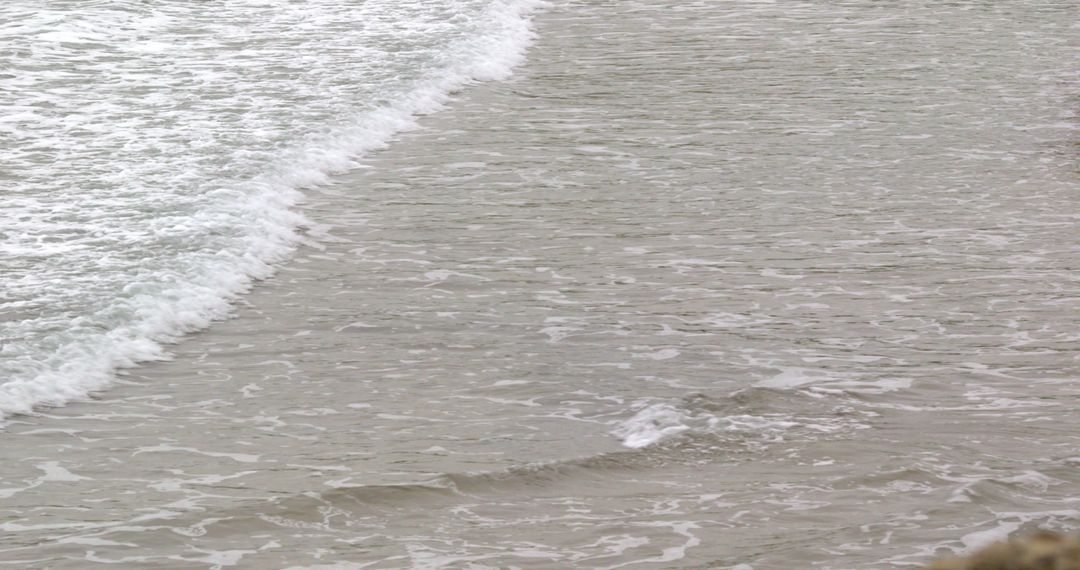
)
(704, 285)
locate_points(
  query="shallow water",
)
(154, 153)
(701, 285)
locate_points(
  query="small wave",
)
(322, 510)
(763, 413)
(660, 421)
(236, 234)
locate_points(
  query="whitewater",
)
(154, 156)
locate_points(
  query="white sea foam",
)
(659, 422)
(157, 157)
(652, 424)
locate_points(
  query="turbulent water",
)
(741, 285)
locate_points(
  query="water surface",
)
(703, 285)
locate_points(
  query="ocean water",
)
(742, 285)
(154, 153)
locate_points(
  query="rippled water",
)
(703, 285)
(153, 152)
